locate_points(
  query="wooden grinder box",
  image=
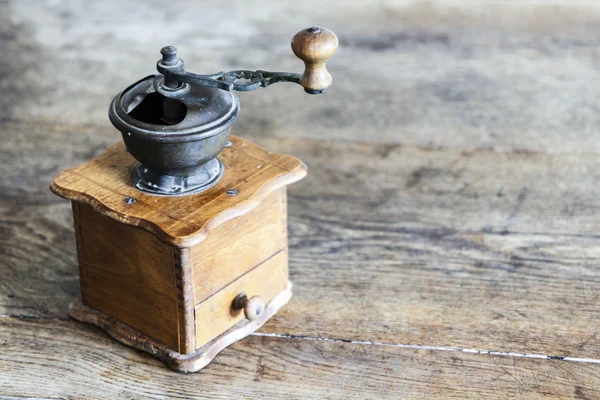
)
(161, 273)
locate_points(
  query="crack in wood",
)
(433, 348)
(385, 344)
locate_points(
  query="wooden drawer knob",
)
(315, 46)
(253, 307)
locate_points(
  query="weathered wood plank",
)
(434, 236)
(502, 74)
(38, 275)
(53, 359)
(395, 244)
(409, 245)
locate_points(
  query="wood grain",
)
(250, 240)
(184, 283)
(130, 275)
(482, 249)
(215, 314)
(440, 264)
(468, 218)
(191, 361)
(314, 46)
(151, 286)
(182, 221)
(501, 74)
(391, 243)
(56, 356)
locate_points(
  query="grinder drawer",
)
(216, 314)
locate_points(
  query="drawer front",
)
(239, 245)
(215, 315)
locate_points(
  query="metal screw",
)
(232, 192)
(129, 200)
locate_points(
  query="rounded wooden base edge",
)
(176, 361)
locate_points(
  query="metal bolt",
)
(169, 55)
(232, 192)
(129, 200)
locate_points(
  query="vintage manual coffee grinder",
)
(181, 228)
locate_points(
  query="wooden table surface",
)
(445, 243)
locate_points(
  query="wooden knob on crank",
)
(253, 307)
(315, 46)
